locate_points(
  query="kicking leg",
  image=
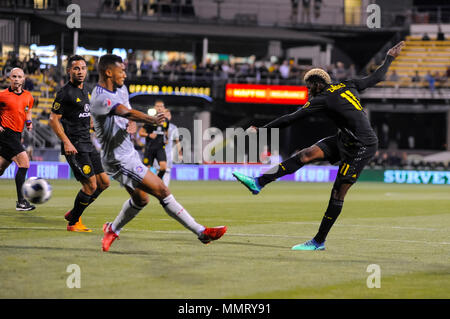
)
(289, 166)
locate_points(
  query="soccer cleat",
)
(210, 234)
(24, 205)
(79, 227)
(109, 236)
(67, 215)
(250, 182)
(310, 245)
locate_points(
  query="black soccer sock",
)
(81, 202)
(332, 213)
(20, 179)
(287, 167)
(96, 194)
(161, 173)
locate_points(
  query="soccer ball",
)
(37, 190)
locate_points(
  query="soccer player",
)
(71, 121)
(111, 112)
(155, 141)
(15, 113)
(172, 136)
(353, 146)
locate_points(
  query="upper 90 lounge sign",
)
(266, 94)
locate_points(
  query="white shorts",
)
(128, 171)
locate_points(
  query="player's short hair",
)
(159, 101)
(74, 58)
(106, 61)
(317, 74)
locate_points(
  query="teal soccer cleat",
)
(310, 245)
(250, 182)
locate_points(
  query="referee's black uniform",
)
(72, 103)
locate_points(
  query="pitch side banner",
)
(47, 170)
(224, 172)
(266, 94)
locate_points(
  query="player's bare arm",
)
(55, 124)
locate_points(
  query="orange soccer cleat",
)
(79, 227)
(210, 234)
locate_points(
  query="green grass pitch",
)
(402, 228)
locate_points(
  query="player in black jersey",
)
(155, 141)
(71, 121)
(353, 146)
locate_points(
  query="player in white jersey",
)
(113, 121)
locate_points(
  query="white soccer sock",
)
(176, 211)
(128, 212)
(166, 177)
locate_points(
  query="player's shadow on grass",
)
(82, 249)
(252, 244)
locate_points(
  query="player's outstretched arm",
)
(288, 119)
(134, 115)
(379, 73)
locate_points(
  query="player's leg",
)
(348, 173)
(318, 151)
(100, 176)
(153, 185)
(4, 164)
(291, 165)
(166, 177)
(162, 162)
(23, 164)
(84, 173)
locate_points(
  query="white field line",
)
(276, 222)
(238, 235)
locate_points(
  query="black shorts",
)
(352, 158)
(152, 153)
(10, 144)
(85, 164)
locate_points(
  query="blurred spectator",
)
(394, 76)
(372, 66)
(294, 13)
(340, 73)
(28, 85)
(431, 81)
(306, 4)
(416, 79)
(145, 67)
(317, 6)
(425, 37)
(284, 70)
(44, 115)
(352, 71)
(440, 34)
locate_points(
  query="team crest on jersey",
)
(26, 108)
(56, 106)
(78, 100)
(86, 169)
(139, 169)
(107, 103)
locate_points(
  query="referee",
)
(15, 113)
(71, 121)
